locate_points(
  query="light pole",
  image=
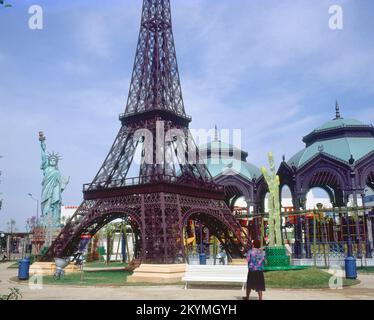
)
(1, 200)
(352, 162)
(2, 246)
(37, 207)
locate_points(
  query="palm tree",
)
(109, 232)
(11, 224)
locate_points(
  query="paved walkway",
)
(365, 290)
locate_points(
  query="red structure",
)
(173, 185)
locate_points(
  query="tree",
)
(109, 232)
(30, 224)
(14, 294)
(11, 230)
(11, 226)
(4, 4)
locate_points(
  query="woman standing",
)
(255, 278)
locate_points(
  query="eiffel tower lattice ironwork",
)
(172, 185)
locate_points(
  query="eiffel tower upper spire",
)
(155, 83)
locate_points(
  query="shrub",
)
(14, 294)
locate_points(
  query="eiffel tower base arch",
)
(158, 218)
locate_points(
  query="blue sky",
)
(271, 68)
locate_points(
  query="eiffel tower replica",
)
(171, 187)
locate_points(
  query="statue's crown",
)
(54, 156)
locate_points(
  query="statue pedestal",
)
(41, 237)
(50, 235)
(277, 260)
(158, 273)
(49, 268)
(239, 262)
(277, 257)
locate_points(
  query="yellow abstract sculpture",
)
(272, 179)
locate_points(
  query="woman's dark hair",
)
(256, 244)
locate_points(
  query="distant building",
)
(67, 212)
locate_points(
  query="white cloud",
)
(366, 115)
(97, 31)
(76, 68)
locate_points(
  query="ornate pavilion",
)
(338, 157)
(229, 167)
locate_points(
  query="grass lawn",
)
(97, 264)
(105, 278)
(89, 265)
(13, 266)
(95, 278)
(301, 279)
(365, 269)
(295, 279)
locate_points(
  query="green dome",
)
(339, 138)
(339, 123)
(219, 167)
(341, 149)
(232, 163)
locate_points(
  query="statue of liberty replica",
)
(52, 187)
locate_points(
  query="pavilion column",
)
(248, 216)
(347, 221)
(355, 204)
(298, 246)
(308, 251)
(255, 223)
(368, 247)
(371, 221)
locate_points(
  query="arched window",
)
(316, 196)
(286, 198)
(370, 180)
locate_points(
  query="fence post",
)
(324, 241)
(314, 240)
(308, 252)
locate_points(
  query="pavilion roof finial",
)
(337, 111)
(215, 133)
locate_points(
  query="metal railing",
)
(154, 179)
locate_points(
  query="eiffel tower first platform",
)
(172, 185)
